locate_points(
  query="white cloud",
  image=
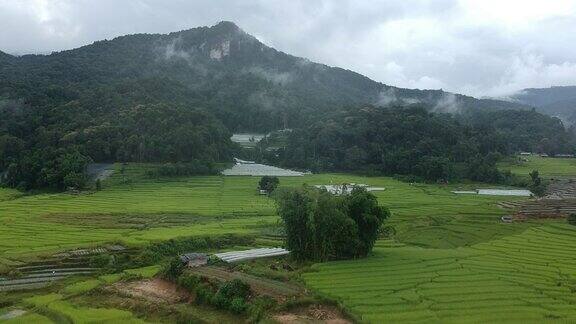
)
(477, 47)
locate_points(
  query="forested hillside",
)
(554, 101)
(177, 98)
(414, 141)
(247, 84)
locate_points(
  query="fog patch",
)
(173, 50)
(389, 96)
(448, 103)
(282, 78)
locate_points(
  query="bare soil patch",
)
(312, 314)
(155, 290)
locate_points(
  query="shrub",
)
(220, 300)
(173, 269)
(204, 294)
(259, 307)
(235, 288)
(189, 281)
(572, 219)
(238, 305)
(101, 260)
(268, 183)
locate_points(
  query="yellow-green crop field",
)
(547, 166)
(524, 278)
(145, 210)
(451, 259)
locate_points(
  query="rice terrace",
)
(451, 258)
(159, 164)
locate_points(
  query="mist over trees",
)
(176, 98)
(414, 141)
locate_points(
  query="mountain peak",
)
(227, 25)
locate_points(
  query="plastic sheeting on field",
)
(237, 256)
(497, 192)
(259, 170)
(505, 192)
(345, 189)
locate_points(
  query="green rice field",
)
(450, 259)
(141, 210)
(547, 166)
(523, 278)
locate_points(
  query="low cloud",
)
(173, 50)
(388, 96)
(480, 48)
(282, 78)
(448, 103)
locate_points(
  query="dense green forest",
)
(177, 97)
(414, 141)
(246, 84)
(43, 147)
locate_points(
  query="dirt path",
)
(262, 286)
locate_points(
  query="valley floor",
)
(449, 258)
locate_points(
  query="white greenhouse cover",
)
(237, 256)
(259, 170)
(497, 192)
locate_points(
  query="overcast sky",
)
(475, 47)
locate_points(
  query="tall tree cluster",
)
(321, 226)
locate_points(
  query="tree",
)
(535, 177)
(537, 186)
(363, 208)
(268, 183)
(572, 219)
(321, 226)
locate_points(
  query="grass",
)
(547, 167)
(211, 205)
(451, 260)
(517, 278)
(29, 318)
(90, 284)
(57, 307)
(146, 272)
(83, 286)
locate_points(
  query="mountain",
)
(246, 84)
(4, 57)
(555, 101)
(177, 97)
